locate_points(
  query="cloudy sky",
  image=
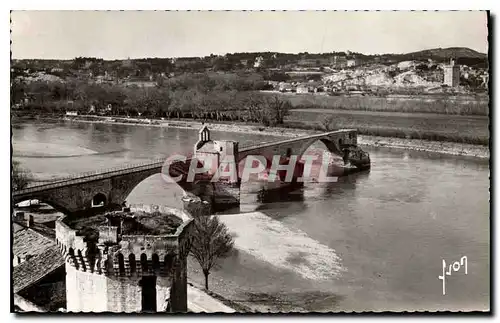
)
(122, 34)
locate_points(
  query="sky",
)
(137, 34)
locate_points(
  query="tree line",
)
(216, 96)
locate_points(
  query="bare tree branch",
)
(211, 241)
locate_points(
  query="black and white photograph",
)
(250, 161)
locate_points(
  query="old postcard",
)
(246, 161)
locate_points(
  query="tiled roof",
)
(44, 230)
(33, 270)
(16, 227)
(27, 241)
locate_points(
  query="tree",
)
(276, 110)
(211, 241)
(20, 177)
(327, 123)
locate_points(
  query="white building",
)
(285, 87)
(302, 88)
(258, 61)
(351, 62)
(451, 74)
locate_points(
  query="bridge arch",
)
(333, 146)
(99, 200)
(266, 157)
(131, 183)
(82, 196)
(53, 202)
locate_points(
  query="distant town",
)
(268, 89)
(452, 70)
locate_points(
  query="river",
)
(371, 241)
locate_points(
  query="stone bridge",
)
(110, 188)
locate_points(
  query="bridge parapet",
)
(116, 249)
(348, 136)
(92, 175)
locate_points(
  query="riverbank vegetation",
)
(210, 96)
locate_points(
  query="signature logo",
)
(456, 267)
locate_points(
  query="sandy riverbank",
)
(448, 148)
(280, 269)
(32, 149)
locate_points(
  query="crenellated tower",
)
(132, 260)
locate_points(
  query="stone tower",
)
(125, 262)
(452, 74)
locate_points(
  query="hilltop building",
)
(244, 62)
(258, 61)
(485, 80)
(339, 61)
(451, 74)
(285, 87)
(302, 88)
(351, 62)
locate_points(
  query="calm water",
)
(372, 241)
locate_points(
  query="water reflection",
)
(258, 197)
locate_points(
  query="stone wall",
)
(87, 292)
(155, 248)
(68, 237)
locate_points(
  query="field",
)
(409, 104)
(437, 127)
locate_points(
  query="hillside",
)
(253, 71)
(458, 52)
(462, 55)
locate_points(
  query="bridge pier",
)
(219, 158)
(226, 195)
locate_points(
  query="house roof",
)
(16, 227)
(31, 241)
(30, 272)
